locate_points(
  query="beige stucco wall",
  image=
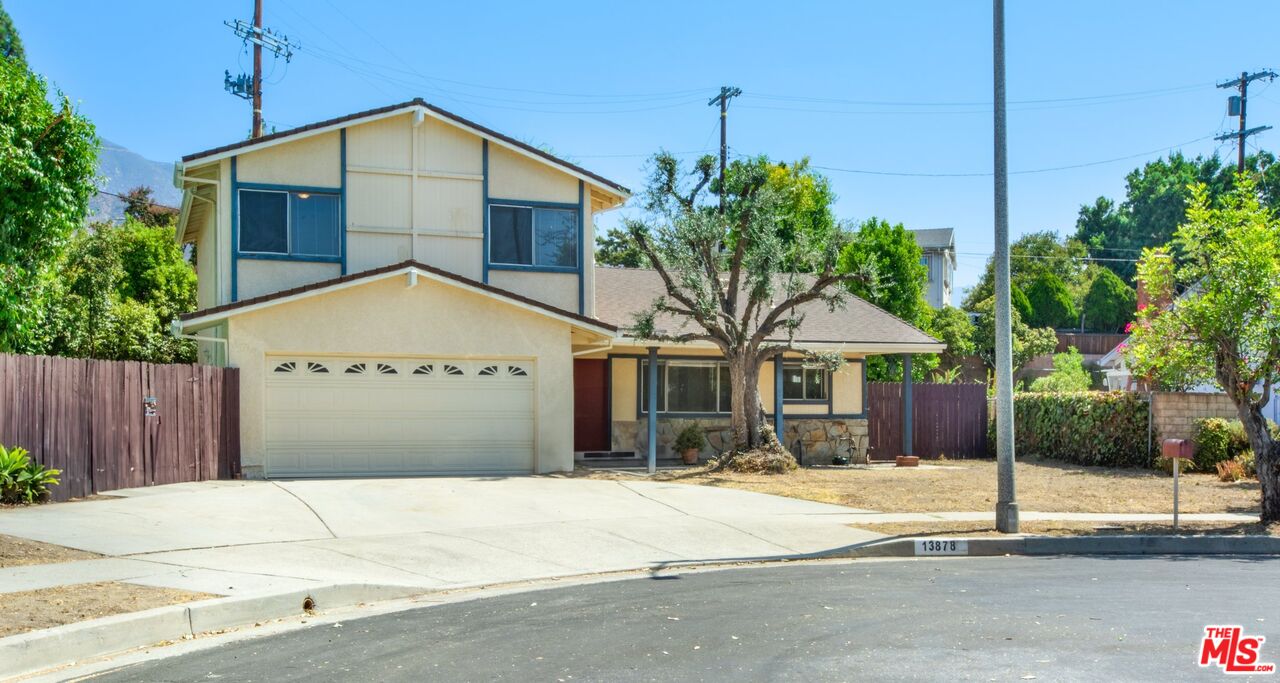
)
(385, 317)
(312, 161)
(414, 191)
(261, 276)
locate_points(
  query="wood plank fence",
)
(947, 419)
(1089, 343)
(94, 420)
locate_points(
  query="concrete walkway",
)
(255, 537)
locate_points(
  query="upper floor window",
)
(924, 261)
(533, 236)
(289, 223)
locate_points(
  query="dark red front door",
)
(590, 405)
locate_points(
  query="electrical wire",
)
(980, 174)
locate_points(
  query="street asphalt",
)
(1003, 618)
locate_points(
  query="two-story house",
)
(408, 292)
(939, 247)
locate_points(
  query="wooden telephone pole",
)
(249, 86)
(726, 93)
(1238, 106)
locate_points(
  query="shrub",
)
(691, 437)
(21, 480)
(1110, 303)
(1217, 440)
(1237, 468)
(1068, 374)
(762, 461)
(1051, 304)
(1086, 428)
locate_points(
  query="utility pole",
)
(249, 86)
(726, 93)
(1237, 105)
(257, 69)
(1006, 502)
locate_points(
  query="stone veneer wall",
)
(1174, 414)
(813, 440)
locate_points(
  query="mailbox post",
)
(1176, 450)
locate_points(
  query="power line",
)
(981, 174)
(907, 103)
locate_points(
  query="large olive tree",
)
(740, 279)
(1224, 322)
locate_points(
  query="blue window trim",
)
(340, 191)
(484, 204)
(582, 213)
(521, 203)
(342, 200)
(830, 414)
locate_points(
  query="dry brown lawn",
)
(1070, 528)
(49, 607)
(970, 485)
(16, 552)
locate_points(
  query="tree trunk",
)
(1266, 452)
(745, 418)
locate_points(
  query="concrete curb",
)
(28, 653)
(1063, 545)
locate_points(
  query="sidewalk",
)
(1027, 516)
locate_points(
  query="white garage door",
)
(396, 416)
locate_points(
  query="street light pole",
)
(1006, 503)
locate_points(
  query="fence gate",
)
(947, 419)
(119, 424)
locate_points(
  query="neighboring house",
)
(1118, 377)
(408, 292)
(939, 246)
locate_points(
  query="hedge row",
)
(1086, 428)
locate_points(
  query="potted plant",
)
(689, 443)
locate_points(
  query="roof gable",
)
(199, 319)
(327, 125)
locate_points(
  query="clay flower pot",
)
(689, 456)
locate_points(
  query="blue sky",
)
(897, 87)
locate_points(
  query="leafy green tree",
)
(118, 289)
(10, 43)
(1019, 302)
(1068, 374)
(1110, 303)
(1225, 325)
(733, 279)
(1028, 342)
(48, 156)
(616, 248)
(898, 287)
(1155, 204)
(953, 327)
(1029, 256)
(1051, 304)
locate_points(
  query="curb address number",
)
(929, 546)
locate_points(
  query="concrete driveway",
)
(251, 537)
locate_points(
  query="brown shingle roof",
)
(623, 292)
(418, 102)
(364, 275)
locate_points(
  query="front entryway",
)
(590, 405)
(374, 416)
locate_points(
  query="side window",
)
(529, 236)
(264, 222)
(290, 223)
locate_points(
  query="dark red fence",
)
(947, 419)
(120, 424)
(1089, 343)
